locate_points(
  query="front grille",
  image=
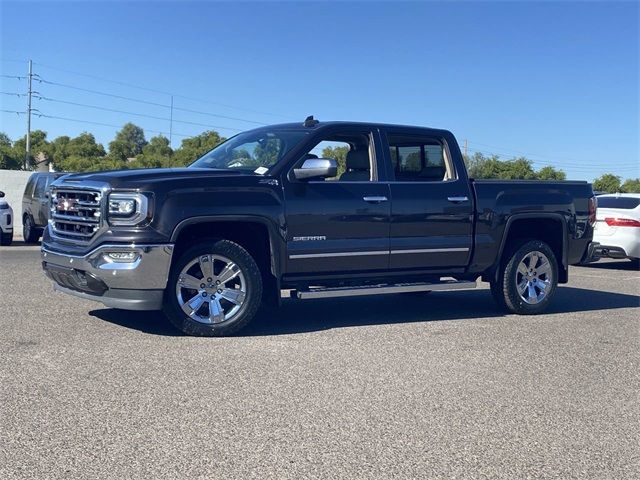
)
(76, 214)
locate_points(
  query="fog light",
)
(123, 257)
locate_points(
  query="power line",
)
(17, 77)
(14, 93)
(162, 92)
(91, 122)
(146, 102)
(106, 109)
(557, 160)
(13, 111)
(582, 167)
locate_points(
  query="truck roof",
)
(318, 125)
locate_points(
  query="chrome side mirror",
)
(316, 168)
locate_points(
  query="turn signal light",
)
(622, 222)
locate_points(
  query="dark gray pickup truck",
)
(273, 209)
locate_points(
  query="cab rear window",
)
(625, 203)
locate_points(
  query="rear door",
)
(339, 224)
(432, 204)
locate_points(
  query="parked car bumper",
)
(133, 283)
(6, 220)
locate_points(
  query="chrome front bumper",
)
(137, 284)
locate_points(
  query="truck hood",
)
(147, 177)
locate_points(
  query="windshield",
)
(254, 151)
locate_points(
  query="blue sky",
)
(556, 81)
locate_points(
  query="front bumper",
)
(137, 284)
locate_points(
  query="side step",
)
(385, 288)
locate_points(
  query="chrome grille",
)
(76, 214)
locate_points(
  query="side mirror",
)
(316, 168)
(1, 194)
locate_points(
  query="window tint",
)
(626, 203)
(352, 152)
(253, 151)
(417, 159)
(40, 186)
(28, 191)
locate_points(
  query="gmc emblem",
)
(67, 205)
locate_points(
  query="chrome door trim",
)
(337, 254)
(431, 250)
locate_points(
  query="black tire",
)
(252, 298)
(30, 232)
(6, 238)
(505, 290)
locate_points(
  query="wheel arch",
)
(550, 228)
(257, 235)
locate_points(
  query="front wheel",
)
(527, 280)
(30, 232)
(214, 289)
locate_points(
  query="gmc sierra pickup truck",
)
(272, 209)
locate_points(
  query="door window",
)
(40, 186)
(354, 153)
(418, 159)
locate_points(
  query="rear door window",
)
(419, 159)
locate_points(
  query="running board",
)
(385, 288)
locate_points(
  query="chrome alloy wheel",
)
(211, 289)
(534, 277)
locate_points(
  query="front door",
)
(339, 224)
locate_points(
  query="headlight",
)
(4, 206)
(127, 208)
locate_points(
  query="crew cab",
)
(317, 208)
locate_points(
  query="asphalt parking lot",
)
(404, 386)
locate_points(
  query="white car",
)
(6, 221)
(617, 227)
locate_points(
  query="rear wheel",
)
(6, 238)
(30, 232)
(528, 280)
(214, 289)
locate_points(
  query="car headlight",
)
(127, 208)
(4, 206)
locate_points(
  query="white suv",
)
(6, 221)
(618, 226)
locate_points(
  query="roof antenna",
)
(310, 121)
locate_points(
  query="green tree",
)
(413, 163)
(39, 144)
(85, 145)
(550, 173)
(128, 143)
(8, 158)
(339, 154)
(608, 182)
(157, 153)
(631, 185)
(193, 148)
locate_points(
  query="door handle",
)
(458, 199)
(374, 199)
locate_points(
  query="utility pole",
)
(465, 147)
(171, 121)
(27, 159)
